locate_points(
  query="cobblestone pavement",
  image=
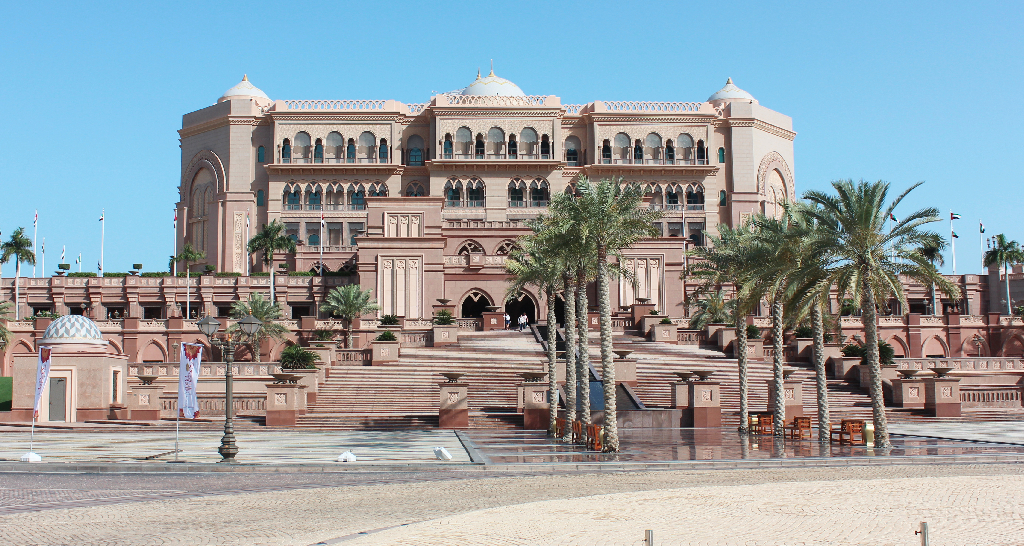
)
(965, 504)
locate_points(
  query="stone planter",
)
(713, 330)
(648, 321)
(845, 368)
(446, 335)
(665, 333)
(495, 320)
(310, 380)
(726, 340)
(804, 349)
(326, 352)
(755, 349)
(384, 352)
(831, 350)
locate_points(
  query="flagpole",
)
(248, 255)
(952, 241)
(981, 245)
(103, 234)
(174, 266)
(42, 264)
(35, 238)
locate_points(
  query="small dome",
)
(72, 329)
(245, 89)
(491, 85)
(730, 93)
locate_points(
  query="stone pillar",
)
(446, 335)
(908, 393)
(625, 371)
(914, 334)
(792, 393)
(285, 402)
(641, 310)
(665, 333)
(535, 405)
(705, 404)
(496, 321)
(942, 396)
(845, 368)
(144, 402)
(454, 407)
(681, 395)
(385, 352)
(594, 321)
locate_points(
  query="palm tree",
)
(610, 215)
(866, 260)
(349, 302)
(269, 240)
(725, 260)
(932, 251)
(5, 315)
(1004, 252)
(535, 263)
(20, 248)
(711, 309)
(190, 256)
(267, 312)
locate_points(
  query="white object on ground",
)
(31, 457)
(346, 457)
(442, 454)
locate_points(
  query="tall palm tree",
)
(268, 240)
(267, 312)
(535, 263)
(348, 303)
(725, 261)
(711, 309)
(190, 256)
(5, 315)
(866, 260)
(932, 251)
(611, 215)
(20, 248)
(1003, 253)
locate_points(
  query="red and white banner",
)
(42, 376)
(188, 377)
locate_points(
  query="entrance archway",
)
(522, 304)
(475, 304)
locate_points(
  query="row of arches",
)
(470, 246)
(528, 144)
(675, 196)
(652, 149)
(332, 197)
(366, 148)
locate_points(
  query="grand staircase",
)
(405, 395)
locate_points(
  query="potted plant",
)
(294, 357)
(652, 318)
(135, 269)
(62, 269)
(446, 330)
(803, 343)
(385, 348)
(209, 269)
(390, 322)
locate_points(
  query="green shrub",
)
(227, 274)
(753, 332)
(44, 314)
(803, 331)
(82, 274)
(342, 273)
(260, 274)
(155, 274)
(886, 354)
(386, 335)
(444, 318)
(6, 392)
(136, 266)
(115, 274)
(323, 335)
(389, 320)
(666, 320)
(64, 267)
(297, 358)
(652, 312)
(853, 350)
(210, 268)
(301, 273)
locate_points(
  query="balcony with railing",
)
(648, 161)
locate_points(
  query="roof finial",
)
(245, 77)
(492, 67)
(478, 73)
(728, 81)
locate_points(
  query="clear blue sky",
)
(904, 92)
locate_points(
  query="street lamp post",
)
(209, 326)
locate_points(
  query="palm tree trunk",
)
(824, 423)
(552, 384)
(741, 361)
(583, 339)
(17, 287)
(871, 340)
(348, 335)
(935, 303)
(778, 393)
(611, 427)
(570, 354)
(272, 299)
(1009, 304)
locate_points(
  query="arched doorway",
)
(559, 310)
(519, 305)
(475, 304)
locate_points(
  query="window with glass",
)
(286, 151)
(350, 151)
(572, 154)
(383, 153)
(545, 147)
(314, 201)
(453, 196)
(539, 196)
(261, 154)
(722, 198)
(318, 151)
(515, 195)
(638, 152)
(415, 151)
(448, 149)
(513, 147)
(479, 147)
(261, 198)
(357, 198)
(355, 229)
(475, 195)
(606, 152)
(670, 152)
(293, 200)
(721, 155)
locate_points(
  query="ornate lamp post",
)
(209, 326)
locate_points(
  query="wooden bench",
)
(761, 423)
(850, 432)
(799, 427)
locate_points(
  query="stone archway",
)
(474, 304)
(522, 304)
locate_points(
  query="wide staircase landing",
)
(405, 395)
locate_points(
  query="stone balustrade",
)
(979, 363)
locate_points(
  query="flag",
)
(954, 216)
(42, 375)
(323, 223)
(64, 249)
(955, 236)
(893, 218)
(175, 216)
(99, 266)
(42, 246)
(981, 226)
(79, 260)
(246, 219)
(35, 221)
(101, 215)
(188, 377)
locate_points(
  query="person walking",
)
(522, 321)
(508, 321)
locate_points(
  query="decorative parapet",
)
(977, 363)
(335, 105)
(574, 109)
(496, 100)
(652, 107)
(416, 109)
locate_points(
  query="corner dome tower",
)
(491, 85)
(74, 334)
(730, 93)
(244, 89)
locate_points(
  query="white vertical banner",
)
(188, 378)
(42, 375)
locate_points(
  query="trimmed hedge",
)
(82, 274)
(6, 392)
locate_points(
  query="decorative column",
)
(454, 405)
(535, 405)
(792, 393)
(285, 402)
(705, 404)
(908, 392)
(144, 402)
(942, 396)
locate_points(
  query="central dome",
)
(491, 85)
(72, 329)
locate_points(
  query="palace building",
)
(423, 201)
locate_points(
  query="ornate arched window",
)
(416, 151)
(672, 195)
(652, 146)
(528, 143)
(670, 152)
(335, 149)
(480, 149)
(318, 151)
(414, 189)
(638, 152)
(301, 147)
(378, 189)
(505, 248)
(367, 149)
(702, 153)
(684, 149)
(383, 153)
(448, 146)
(464, 142)
(470, 247)
(350, 151)
(539, 193)
(572, 151)
(286, 151)
(545, 147)
(475, 192)
(356, 197)
(292, 199)
(606, 152)
(495, 142)
(453, 193)
(513, 147)
(314, 198)
(621, 147)
(516, 193)
(261, 154)
(695, 197)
